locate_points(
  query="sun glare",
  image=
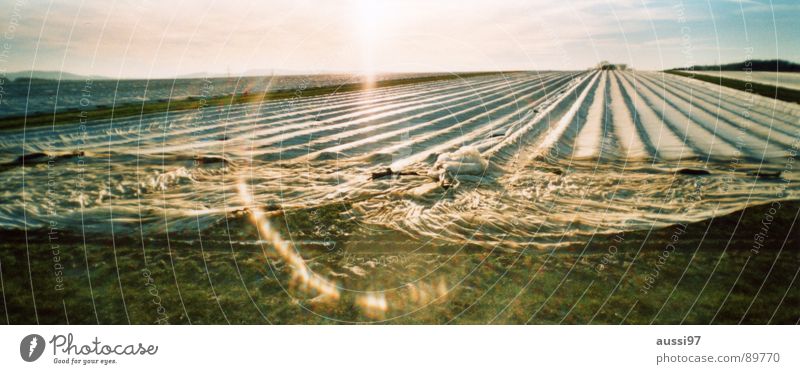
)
(369, 15)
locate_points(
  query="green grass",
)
(699, 283)
(779, 93)
(141, 108)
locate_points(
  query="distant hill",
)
(754, 65)
(50, 75)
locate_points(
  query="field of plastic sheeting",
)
(536, 159)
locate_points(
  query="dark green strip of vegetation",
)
(751, 65)
(779, 93)
(194, 103)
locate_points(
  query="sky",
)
(166, 38)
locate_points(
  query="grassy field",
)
(779, 93)
(711, 276)
(141, 108)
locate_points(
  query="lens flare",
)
(373, 304)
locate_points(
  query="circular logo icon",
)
(31, 347)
